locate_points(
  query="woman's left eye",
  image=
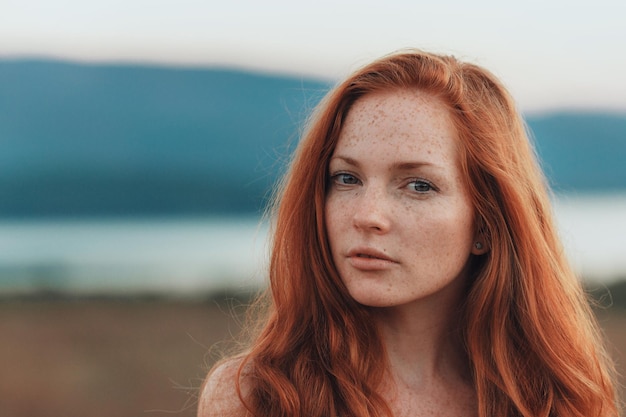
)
(420, 186)
(345, 179)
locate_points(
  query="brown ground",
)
(125, 358)
(106, 358)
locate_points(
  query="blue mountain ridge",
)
(123, 140)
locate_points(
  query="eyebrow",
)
(401, 166)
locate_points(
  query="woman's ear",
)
(480, 245)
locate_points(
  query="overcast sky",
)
(551, 54)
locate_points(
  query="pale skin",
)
(401, 229)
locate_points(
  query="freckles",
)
(408, 211)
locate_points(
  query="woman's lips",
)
(369, 259)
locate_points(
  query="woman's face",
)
(398, 217)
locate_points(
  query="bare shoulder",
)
(219, 396)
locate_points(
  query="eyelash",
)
(335, 178)
(340, 179)
(422, 182)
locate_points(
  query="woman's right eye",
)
(345, 179)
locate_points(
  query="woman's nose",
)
(372, 211)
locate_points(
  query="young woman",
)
(415, 266)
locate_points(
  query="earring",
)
(478, 245)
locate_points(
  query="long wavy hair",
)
(531, 338)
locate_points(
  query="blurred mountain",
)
(582, 152)
(117, 140)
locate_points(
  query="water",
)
(593, 231)
(196, 256)
(163, 256)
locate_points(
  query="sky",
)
(551, 54)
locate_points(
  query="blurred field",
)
(122, 358)
(106, 358)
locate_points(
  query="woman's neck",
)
(429, 372)
(424, 347)
(423, 339)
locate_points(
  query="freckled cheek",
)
(336, 218)
(436, 249)
(440, 233)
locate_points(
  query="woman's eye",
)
(345, 179)
(420, 186)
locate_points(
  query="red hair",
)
(531, 338)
